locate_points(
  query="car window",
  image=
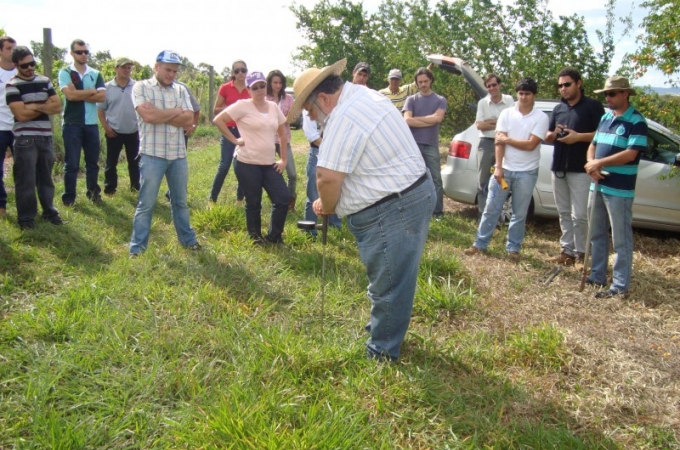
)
(660, 148)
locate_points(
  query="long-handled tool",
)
(586, 254)
(309, 225)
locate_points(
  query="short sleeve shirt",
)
(488, 110)
(231, 95)
(80, 112)
(257, 130)
(522, 127)
(424, 105)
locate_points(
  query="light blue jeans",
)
(433, 161)
(391, 237)
(521, 184)
(571, 198)
(151, 171)
(617, 212)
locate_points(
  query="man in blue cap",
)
(164, 110)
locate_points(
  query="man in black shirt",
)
(572, 127)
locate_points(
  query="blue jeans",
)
(521, 184)
(253, 178)
(313, 193)
(33, 162)
(176, 172)
(77, 137)
(290, 169)
(226, 158)
(434, 163)
(391, 238)
(616, 212)
(6, 141)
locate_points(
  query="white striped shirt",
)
(161, 140)
(367, 138)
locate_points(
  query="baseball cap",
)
(122, 61)
(394, 73)
(169, 56)
(362, 66)
(255, 77)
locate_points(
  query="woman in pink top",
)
(259, 122)
(229, 94)
(276, 92)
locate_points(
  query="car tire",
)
(506, 212)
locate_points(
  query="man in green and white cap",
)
(118, 118)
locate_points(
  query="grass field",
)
(225, 348)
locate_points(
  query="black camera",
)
(561, 134)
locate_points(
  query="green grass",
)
(224, 348)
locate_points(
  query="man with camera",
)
(572, 127)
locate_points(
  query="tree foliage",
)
(520, 39)
(660, 40)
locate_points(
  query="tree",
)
(660, 40)
(520, 39)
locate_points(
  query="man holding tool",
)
(371, 171)
(619, 141)
(519, 132)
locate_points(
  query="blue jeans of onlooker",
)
(6, 141)
(114, 146)
(226, 158)
(434, 163)
(616, 212)
(253, 178)
(521, 184)
(391, 238)
(152, 170)
(313, 193)
(33, 162)
(571, 198)
(291, 173)
(77, 137)
(486, 158)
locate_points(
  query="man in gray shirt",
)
(488, 110)
(423, 113)
(118, 118)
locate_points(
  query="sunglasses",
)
(237, 71)
(257, 87)
(612, 93)
(566, 85)
(81, 52)
(27, 65)
(491, 85)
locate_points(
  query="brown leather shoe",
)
(563, 259)
(474, 251)
(513, 256)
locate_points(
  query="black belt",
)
(314, 146)
(488, 138)
(417, 183)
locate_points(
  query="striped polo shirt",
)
(367, 138)
(614, 135)
(37, 90)
(161, 140)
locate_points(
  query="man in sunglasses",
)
(572, 127)
(32, 99)
(83, 88)
(619, 141)
(7, 71)
(488, 110)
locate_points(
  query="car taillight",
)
(460, 149)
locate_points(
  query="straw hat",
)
(616, 83)
(308, 81)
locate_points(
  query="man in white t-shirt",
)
(519, 133)
(7, 71)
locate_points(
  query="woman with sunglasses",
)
(229, 93)
(259, 122)
(276, 92)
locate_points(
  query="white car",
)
(657, 201)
